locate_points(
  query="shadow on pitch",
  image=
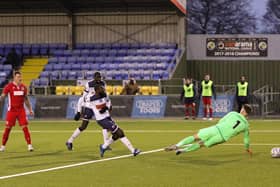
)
(32, 155)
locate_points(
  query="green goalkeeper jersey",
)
(232, 124)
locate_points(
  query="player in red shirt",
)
(17, 97)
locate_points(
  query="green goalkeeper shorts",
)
(210, 136)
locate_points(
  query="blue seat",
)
(90, 60)
(124, 45)
(71, 60)
(67, 67)
(76, 53)
(94, 67)
(99, 60)
(107, 45)
(62, 60)
(156, 75)
(58, 67)
(85, 53)
(58, 53)
(48, 67)
(146, 75)
(116, 46)
(3, 75)
(61, 46)
(103, 52)
(81, 60)
(80, 46)
(35, 49)
(44, 74)
(112, 52)
(36, 82)
(122, 52)
(72, 75)
(98, 46)
(54, 75)
(134, 46)
(76, 67)
(67, 53)
(53, 60)
(89, 75)
(165, 75)
(44, 81)
(64, 75)
(80, 75)
(7, 67)
(85, 67)
(44, 49)
(88, 46)
(94, 53)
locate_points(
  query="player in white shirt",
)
(101, 106)
(83, 107)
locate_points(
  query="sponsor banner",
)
(149, 106)
(72, 106)
(236, 47)
(51, 107)
(174, 107)
(221, 106)
(32, 100)
(122, 106)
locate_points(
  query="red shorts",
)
(207, 100)
(19, 115)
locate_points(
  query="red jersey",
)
(16, 95)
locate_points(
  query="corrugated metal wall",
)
(127, 28)
(34, 29)
(258, 73)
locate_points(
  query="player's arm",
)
(28, 105)
(108, 106)
(247, 141)
(2, 97)
(80, 103)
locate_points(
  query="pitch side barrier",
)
(123, 106)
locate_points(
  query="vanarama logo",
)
(153, 106)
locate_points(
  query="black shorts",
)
(189, 100)
(108, 124)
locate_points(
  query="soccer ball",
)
(275, 152)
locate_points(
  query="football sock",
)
(185, 141)
(187, 110)
(107, 143)
(6, 135)
(127, 143)
(75, 134)
(193, 110)
(193, 147)
(205, 112)
(211, 112)
(105, 135)
(26, 135)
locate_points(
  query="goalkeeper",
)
(229, 126)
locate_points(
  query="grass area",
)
(223, 165)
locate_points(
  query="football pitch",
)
(51, 164)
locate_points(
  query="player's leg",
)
(87, 115)
(210, 108)
(205, 107)
(186, 141)
(187, 111)
(10, 122)
(117, 133)
(193, 110)
(209, 137)
(22, 119)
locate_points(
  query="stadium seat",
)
(146, 90)
(155, 90)
(109, 90)
(118, 90)
(79, 90)
(61, 90)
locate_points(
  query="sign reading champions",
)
(236, 47)
(149, 106)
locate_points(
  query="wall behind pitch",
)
(34, 28)
(131, 27)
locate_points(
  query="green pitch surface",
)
(222, 165)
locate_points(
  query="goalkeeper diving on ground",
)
(229, 126)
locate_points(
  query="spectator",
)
(207, 90)
(188, 97)
(131, 88)
(242, 92)
(13, 59)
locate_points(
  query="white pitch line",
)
(76, 165)
(137, 131)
